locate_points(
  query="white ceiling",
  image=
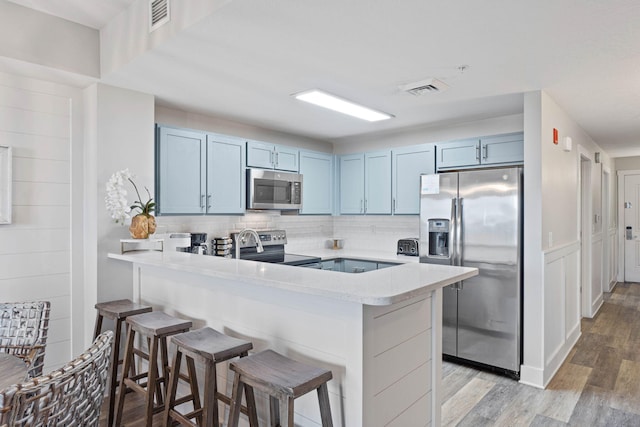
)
(244, 61)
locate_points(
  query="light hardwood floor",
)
(598, 385)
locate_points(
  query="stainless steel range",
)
(273, 242)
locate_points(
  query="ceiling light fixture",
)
(332, 102)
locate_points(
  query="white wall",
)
(121, 136)
(552, 241)
(43, 123)
(37, 38)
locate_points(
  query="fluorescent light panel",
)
(341, 105)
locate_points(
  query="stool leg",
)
(236, 402)
(290, 412)
(251, 405)
(325, 409)
(98, 327)
(115, 357)
(172, 387)
(152, 380)
(274, 412)
(210, 413)
(128, 360)
(165, 363)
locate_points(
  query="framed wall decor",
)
(5, 185)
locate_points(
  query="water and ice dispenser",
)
(439, 237)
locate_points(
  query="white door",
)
(631, 228)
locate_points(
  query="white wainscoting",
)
(561, 305)
(597, 280)
(35, 250)
(611, 281)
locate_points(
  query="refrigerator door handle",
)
(460, 236)
(453, 230)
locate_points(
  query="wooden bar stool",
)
(283, 380)
(210, 347)
(117, 311)
(156, 327)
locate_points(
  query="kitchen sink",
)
(348, 265)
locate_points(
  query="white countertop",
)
(379, 287)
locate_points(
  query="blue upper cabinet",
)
(502, 149)
(378, 183)
(408, 163)
(269, 156)
(352, 184)
(199, 173)
(458, 153)
(180, 176)
(507, 149)
(365, 183)
(317, 182)
(226, 177)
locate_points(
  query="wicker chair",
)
(70, 396)
(23, 332)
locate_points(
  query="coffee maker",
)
(199, 243)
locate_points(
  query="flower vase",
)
(142, 225)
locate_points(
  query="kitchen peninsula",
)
(379, 332)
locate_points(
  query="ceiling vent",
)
(158, 13)
(425, 86)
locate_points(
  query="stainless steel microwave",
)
(268, 189)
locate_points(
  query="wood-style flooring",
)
(598, 385)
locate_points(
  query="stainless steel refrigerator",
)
(474, 219)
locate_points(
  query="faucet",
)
(240, 238)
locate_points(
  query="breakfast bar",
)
(379, 332)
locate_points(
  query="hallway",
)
(598, 385)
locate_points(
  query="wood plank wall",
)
(35, 250)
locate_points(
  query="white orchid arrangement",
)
(116, 198)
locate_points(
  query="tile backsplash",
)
(303, 232)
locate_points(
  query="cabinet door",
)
(317, 182)
(260, 155)
(352, 184)
(407, 166)
(503, 149)
(357, 266)
(286, 159)
(458, 153)
(226, 177)
(181, 177)
(378, 182)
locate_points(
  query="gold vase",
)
(142, 225)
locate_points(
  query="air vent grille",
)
(425, 86)
(158, 13)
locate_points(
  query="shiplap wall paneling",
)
(35, 249)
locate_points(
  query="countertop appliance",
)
(474, 219)
(273, 242)
(408, 246)
(267, 189)
(198, 243)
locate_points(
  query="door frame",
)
(605, 223)
(585, 211)
(621, 177)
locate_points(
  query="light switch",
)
(551, 239)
